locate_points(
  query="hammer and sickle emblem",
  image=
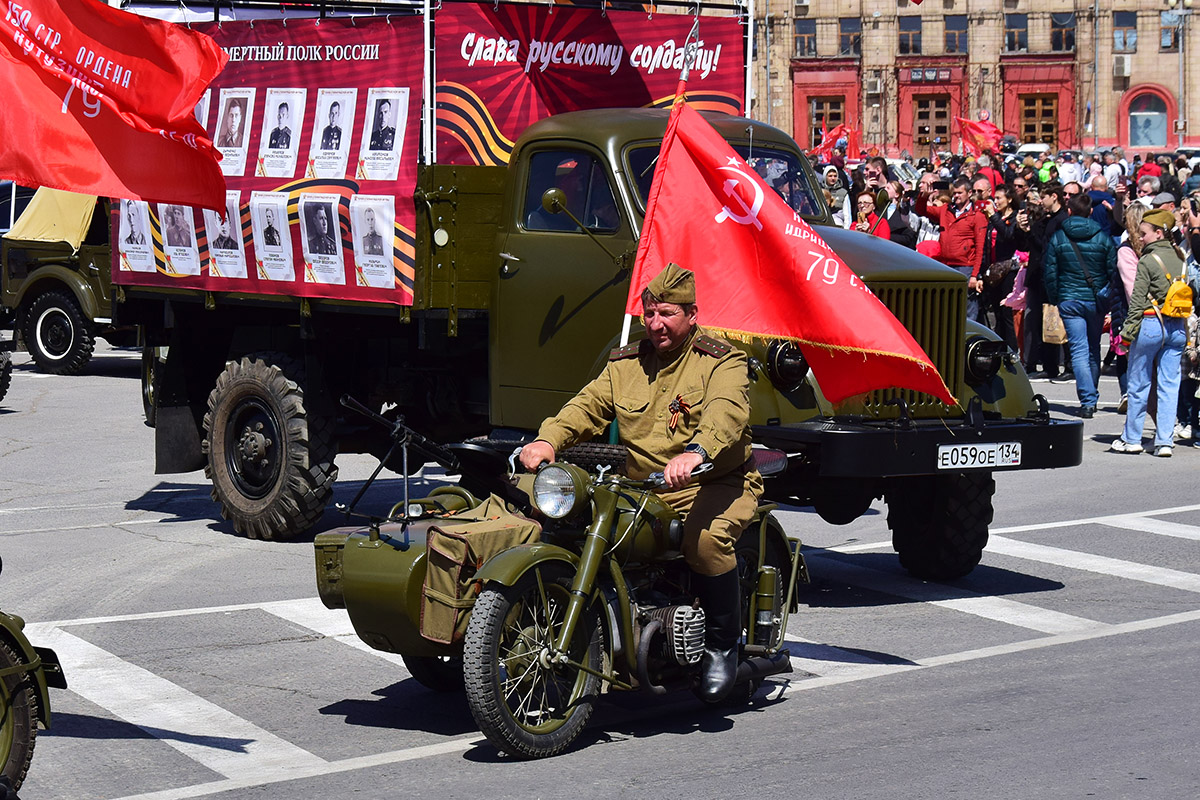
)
(746, 215)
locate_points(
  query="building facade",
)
(1071, 74)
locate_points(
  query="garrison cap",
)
(673, 285)
(1160, 218)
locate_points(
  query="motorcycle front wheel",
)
(525, 705)
(18, 726)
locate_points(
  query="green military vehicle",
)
(517, 306)
(55, 280)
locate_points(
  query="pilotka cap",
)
(1160, 218)
(673, 285)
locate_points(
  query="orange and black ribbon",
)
(678, 406)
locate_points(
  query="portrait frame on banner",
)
(321, 239)
(181, 253)
(332, 132)
(279, 144)
(226, 245)
(135, 242)
(383, 130)
(232, 135)
(271, 236)
(373, 231)
(201, 109)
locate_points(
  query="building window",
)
(1039, 118)
(806, 38)
(1016, 33)
(1062, 32)
(956, 33)
(931, 121)
(850, 36)
(1169, 32)
(1124, 31)
(830, 110)
(910, 36)
(1147, 121)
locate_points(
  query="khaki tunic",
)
(636, 389)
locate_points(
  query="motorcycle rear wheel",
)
(526, 708)
(18, 725)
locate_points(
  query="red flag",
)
(853, 148)
(101, 101)
(828, 140)
(761, 271)
(979, 136)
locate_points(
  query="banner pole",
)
(749, 58)
(430, 148)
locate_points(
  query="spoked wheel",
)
(439, 673)
(777, 556)
(528, 702)
(18, 725)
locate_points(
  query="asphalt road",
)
(201, 664)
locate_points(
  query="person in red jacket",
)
(963, 227)
(867, 220)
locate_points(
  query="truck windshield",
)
(779, 168)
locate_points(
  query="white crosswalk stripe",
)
(1088, 562)
(1151, 525)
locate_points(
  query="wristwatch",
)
(695, 448)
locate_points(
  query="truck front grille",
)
(935, 314)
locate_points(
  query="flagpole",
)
(690, 47)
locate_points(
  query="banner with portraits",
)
(317, 123)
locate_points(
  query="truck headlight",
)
(559, 489)
(984, 359)
(786, 365)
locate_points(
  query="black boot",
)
(721, 598)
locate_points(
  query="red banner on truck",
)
(501, 68)
(317, 122)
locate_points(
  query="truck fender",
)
(507, 567)
(51, 276)
(10, 630)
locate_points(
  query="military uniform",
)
(373, 244)
(383, 139)
(281, 138)
(697, 394)
(331, 138)
(271, 236)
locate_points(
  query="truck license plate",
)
(979, 456)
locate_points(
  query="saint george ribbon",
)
(763, 272)
(102, 101)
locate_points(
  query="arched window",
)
(1147, 121)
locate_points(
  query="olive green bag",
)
(455, 550)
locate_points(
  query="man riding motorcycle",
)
(680, 399)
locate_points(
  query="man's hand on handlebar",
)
(678, 472)
(534, 454)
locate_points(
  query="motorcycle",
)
(26, 675)
(536, 620)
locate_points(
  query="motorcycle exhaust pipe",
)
(757, 667)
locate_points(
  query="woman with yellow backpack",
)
(1156, 332)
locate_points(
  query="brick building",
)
(1065, 72)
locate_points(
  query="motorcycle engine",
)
(683, 627)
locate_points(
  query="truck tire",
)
(270, 460)
(57, 335)
(940, 522)
(149, 387)
(5, 373)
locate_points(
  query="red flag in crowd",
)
(853, 147)
(761, 271)
(979, 136)
(101, 101)
(829, 140)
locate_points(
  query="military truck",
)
(516, 307)
(55, 278)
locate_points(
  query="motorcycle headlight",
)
(559, 489)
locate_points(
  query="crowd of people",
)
(1080, 263)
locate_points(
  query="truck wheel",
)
(18, 726)
(149, 399)
(5, 373)
(57, 335)
(940, 523)
(270, 460)
(439, 673)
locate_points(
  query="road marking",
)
(1103, 565)
(998, 609)
(198, 728)
(335, 624)
(1160, 526)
